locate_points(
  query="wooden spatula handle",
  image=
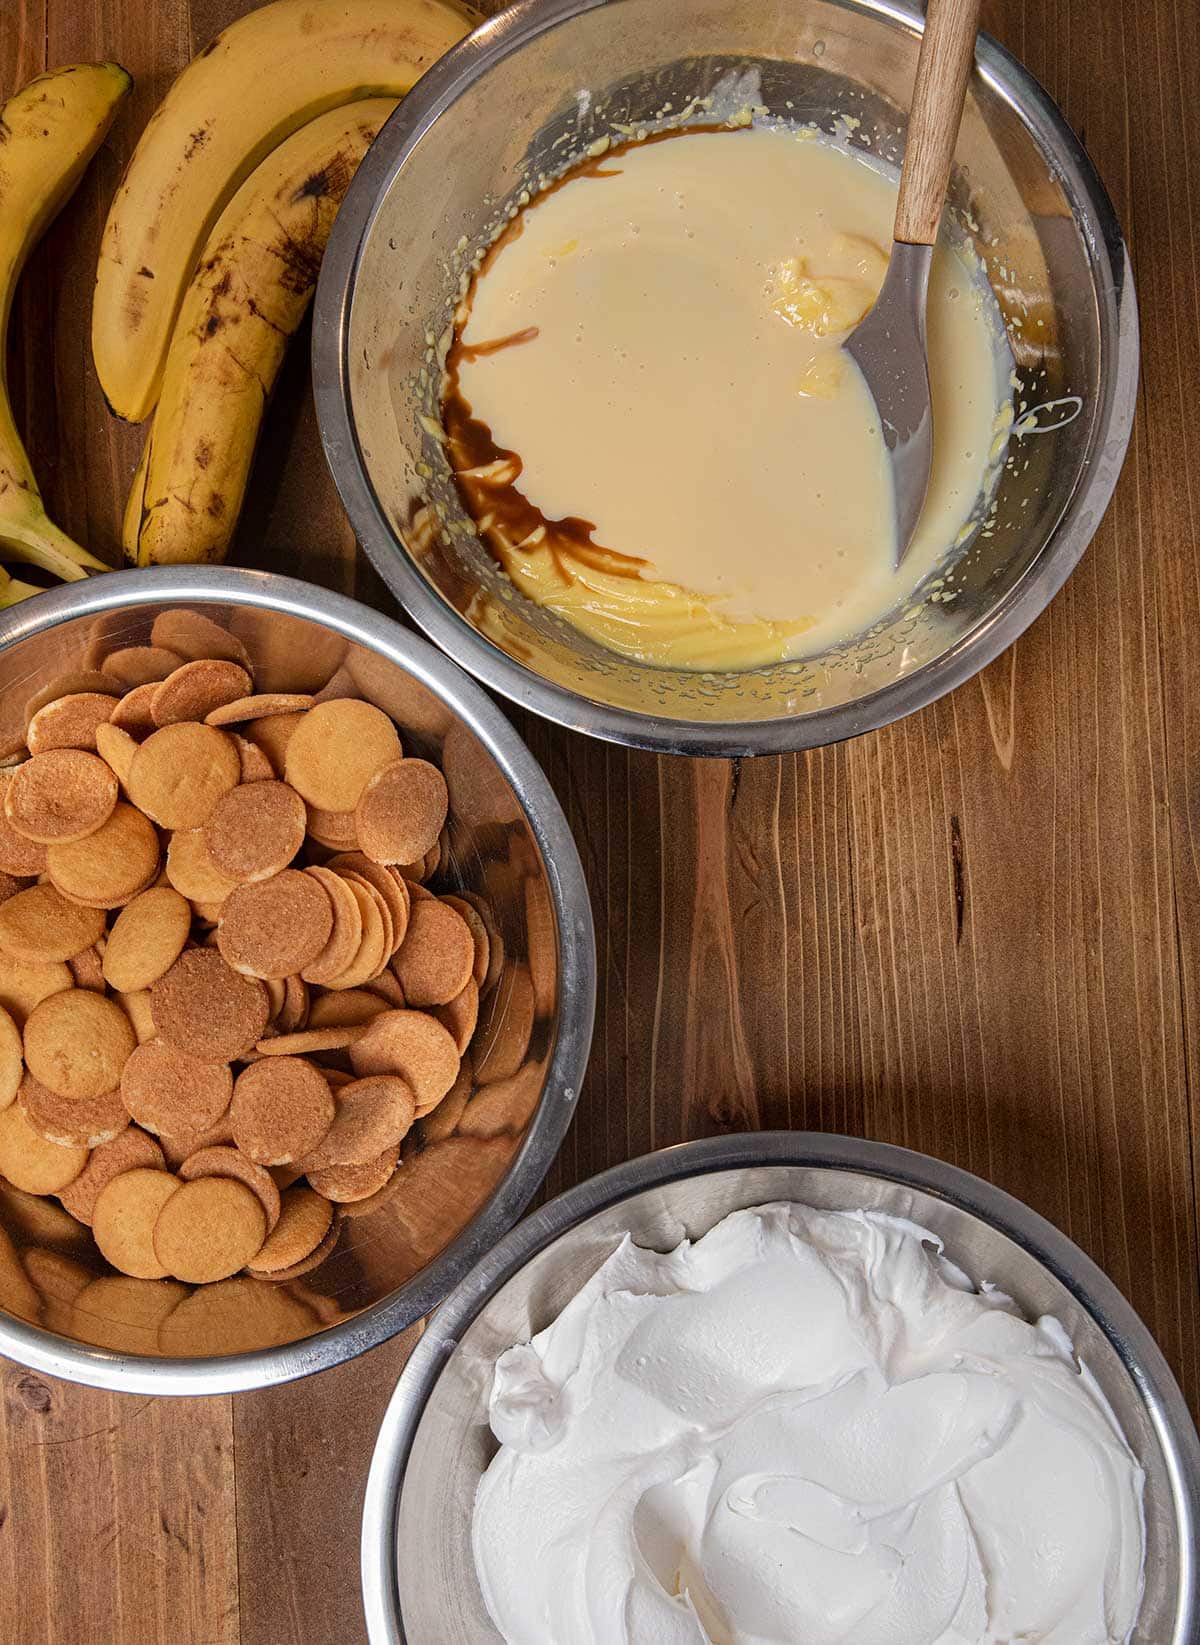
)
(943, 69)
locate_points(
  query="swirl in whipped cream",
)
(804, 1429)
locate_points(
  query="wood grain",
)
(976, 933)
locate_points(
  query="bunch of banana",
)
(255, 280)
(215, 236)
(48, 133)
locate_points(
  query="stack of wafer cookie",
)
(227, 993)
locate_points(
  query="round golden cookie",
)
(282, 1108)
(460, 1015)
(305, 1218)
(479, 936)
(412, 1044)
(504, 1035)
(346, 1183)
(261, 707)
(294, 1014)
(192, 871)
(87, 968)
(231, 1162)
(18, 856)
(12, 1060)
(387, 989)
(31, 1163)
(136, 1007)
(372, 955)
(346, 933)
(256, 767)
(41, 927)
(255, 830)
(384, 909)
(335, 751)
(181, 771)
(401, 811)
(77, 1043)
(146, 940)
(314, 1259)
(333, 829)
(63, 795)
(176, 1149)
(75, 1122)
(370, 1115)
(208, 1229)
(273, 928)
(442, 1119)
(435, 960)
(348, 1008)
(69, 722)
(124, 1217)
(272, 734)
(495, 963)
(391, 887)
(308, 1041)
(208, 1011)
(111, 866)
(132, 714)
(171, 1094)
(23, 986)
(130, 1150)
(136, 665)
(193, 690)
(193, 637)
(116, 748)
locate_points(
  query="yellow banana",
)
(254, 282)
(48, 133)
(266, 75)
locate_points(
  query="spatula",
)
(888, 344)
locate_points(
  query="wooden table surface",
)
(976, 933)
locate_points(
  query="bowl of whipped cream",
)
(784, 1387)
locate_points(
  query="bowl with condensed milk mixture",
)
(580, 372)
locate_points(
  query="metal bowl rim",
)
(1029, 595)
(1091, 1288)
(232, 1373)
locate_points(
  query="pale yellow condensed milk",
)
(654, 424)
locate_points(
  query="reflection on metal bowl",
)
(524, 96)
(470, 1166)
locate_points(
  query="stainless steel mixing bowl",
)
(508, 840)
(523, 96)
(419, 1584)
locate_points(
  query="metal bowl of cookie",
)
(505, 859)
(418, 1571)
(524, 96)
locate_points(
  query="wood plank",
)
(976, 933)
(116, 1518)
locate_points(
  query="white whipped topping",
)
(804, 1429)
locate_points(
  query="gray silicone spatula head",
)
(888, 344)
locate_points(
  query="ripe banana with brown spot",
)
(254, 283)
(265, 76)
(49, 131)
